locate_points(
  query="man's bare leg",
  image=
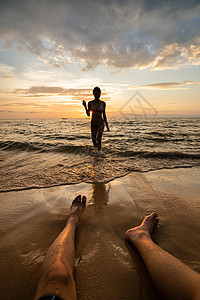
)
(57, 269)
(172, 278)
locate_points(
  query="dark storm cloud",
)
(119, 34)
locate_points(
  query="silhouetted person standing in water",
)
(98, 109)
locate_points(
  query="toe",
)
(84, 199)
(154, 214)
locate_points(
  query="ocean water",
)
(49, 152)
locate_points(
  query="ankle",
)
(136, 235)
(73, 219)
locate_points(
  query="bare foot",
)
(78, 207)
(149, 223)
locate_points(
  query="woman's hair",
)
(96, 89)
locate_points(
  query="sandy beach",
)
(99, 98)
(107, 267)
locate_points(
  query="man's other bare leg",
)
(57, 269)
(172, 278)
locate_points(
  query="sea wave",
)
(88, 150)
(23, 146)
(91, 181)
(44, 147)
(155, 154)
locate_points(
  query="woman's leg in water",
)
(172, 278)
(99, 135)
(94, 129)
(57, 269)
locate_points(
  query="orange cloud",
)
(45, 91)
(192, 82)
(163, 86)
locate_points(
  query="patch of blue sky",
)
(47, 44)
(16, 58)
(3, 44)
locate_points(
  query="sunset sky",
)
(52, 54)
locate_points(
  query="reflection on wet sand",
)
(100, 196)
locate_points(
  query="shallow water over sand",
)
(44, 153)
(107, 267)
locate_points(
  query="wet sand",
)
(107, 267)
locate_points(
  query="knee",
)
(99, 136)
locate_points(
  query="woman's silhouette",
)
(97, 107)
